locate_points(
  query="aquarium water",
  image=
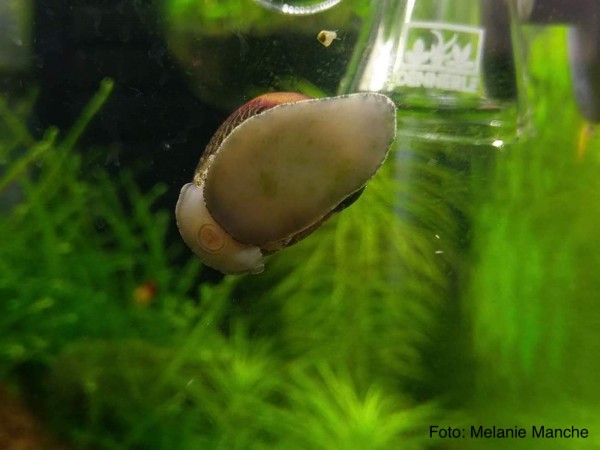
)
(447, 300)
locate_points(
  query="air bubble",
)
(298, 7)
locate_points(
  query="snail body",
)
(276, 169)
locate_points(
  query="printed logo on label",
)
(440, 56)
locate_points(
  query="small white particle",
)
(439, 252)
(437, 236)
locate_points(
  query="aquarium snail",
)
(276, 169)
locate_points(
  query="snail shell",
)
(276, 169)
(326, 37)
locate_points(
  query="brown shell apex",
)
(247, 110)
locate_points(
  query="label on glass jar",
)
(440, 56)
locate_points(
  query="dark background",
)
(151, 122)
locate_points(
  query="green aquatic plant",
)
(338, 414)
(72, 245)
(533, 296)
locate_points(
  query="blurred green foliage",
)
(214, 17)
(70, 248)
(533, 300)
(340, 343)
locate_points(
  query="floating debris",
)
(326, 37)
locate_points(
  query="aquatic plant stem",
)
(62, 151)
(37, 150)
(88, 113)
(17, 126)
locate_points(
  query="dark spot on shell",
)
(268, 184)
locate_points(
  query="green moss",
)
(72, 246)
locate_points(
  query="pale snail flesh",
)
(276, 169)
